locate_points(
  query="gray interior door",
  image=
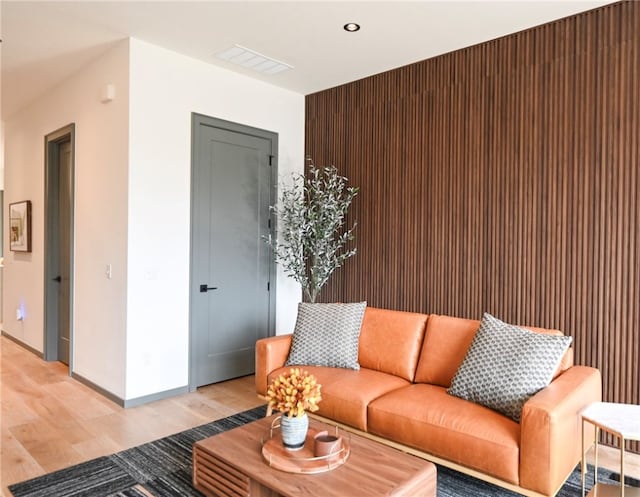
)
(59, 244)
(231, 293)
(64, 250)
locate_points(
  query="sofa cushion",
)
(427, 418)
(445, 345)
(346, 393)
(505, 365)
(446, 342)
(390, 341)
(327, 335)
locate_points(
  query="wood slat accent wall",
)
(504, 178)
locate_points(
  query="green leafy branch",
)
(312, 237)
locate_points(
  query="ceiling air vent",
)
(253, 60)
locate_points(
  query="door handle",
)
(57, 278)
(204, 288)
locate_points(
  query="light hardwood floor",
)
(50, 421)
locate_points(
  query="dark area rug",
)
(163, 469)
(454, 484)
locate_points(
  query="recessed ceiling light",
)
(253, 60)
(352, 27)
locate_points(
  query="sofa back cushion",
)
(446, 342)
(390, 341)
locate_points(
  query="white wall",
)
(100, 215)
(165, 88)
(133, 207)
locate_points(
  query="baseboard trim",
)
(127, 403)
(23, 345)
(145, 399)
(105, 393)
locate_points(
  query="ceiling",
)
(45, 42)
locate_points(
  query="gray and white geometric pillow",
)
(505, 365)
(327, 335)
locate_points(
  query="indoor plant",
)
(293, 393)
(312, 237)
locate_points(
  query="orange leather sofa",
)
(399, 397)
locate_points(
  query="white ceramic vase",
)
(294, 431)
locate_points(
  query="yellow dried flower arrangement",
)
(294, 392)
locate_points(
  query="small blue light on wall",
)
(20, 312)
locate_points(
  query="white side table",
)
(622, 421)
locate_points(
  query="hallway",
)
(50, 421)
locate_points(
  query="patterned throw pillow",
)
(505, 365)
(327, 335)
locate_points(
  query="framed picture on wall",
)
(20, 226)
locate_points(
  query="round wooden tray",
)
(302, 460)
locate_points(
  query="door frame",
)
(51, 153)
(198, 120)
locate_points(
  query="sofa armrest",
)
(271, 354)
(551, 428)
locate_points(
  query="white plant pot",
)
(294, 431)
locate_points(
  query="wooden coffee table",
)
(231, 464)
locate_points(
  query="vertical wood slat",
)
(502, 178)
